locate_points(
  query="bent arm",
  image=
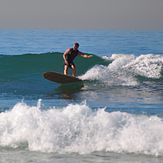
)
(65, 55)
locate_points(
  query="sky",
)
(82, 14)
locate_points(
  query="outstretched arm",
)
(85, 55)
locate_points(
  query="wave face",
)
(77, 128)
(127, 70)
(21, 66)
(23, 74)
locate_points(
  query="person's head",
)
(76, 46)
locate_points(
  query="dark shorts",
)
(70, 64)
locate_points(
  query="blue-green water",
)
(117, 115)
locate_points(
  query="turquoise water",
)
(117, 115)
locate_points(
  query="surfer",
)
(69, 55)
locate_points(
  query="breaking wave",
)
(126, 69)
(77, 128)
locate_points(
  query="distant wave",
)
(77, 128)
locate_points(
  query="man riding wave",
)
(69, 55)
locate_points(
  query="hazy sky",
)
(109, 14)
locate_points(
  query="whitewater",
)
(125, 68)
(77, 128)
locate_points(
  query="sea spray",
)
(80, 129)
(125, 69)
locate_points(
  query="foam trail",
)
(77, 128)
(124, 69)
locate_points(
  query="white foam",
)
(114, 73)
(124, 69)
(147, 65)
(77, 128)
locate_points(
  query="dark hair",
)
(76, 44)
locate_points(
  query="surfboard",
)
(60, 78)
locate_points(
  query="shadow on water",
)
(67, 91)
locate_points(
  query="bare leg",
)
(73, 70)
(65, 70)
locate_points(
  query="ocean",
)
(117, 116)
